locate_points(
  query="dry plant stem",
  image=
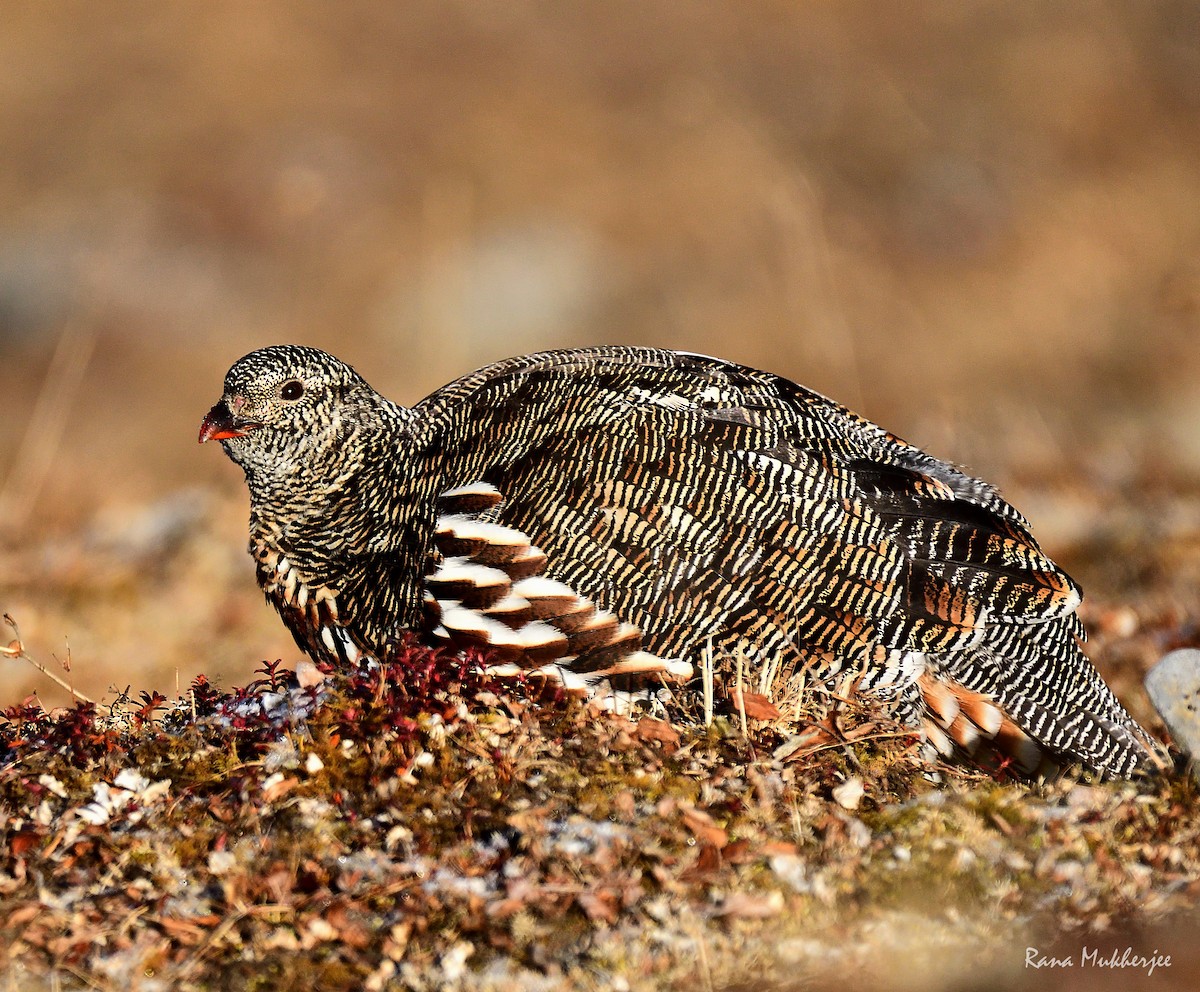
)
(770, 672)
(702, 953)
(47, 422)
(801, 685)
(16, 649)
(706, 677)
(741, 694)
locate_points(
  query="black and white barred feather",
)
(608, 514)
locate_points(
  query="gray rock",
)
(1174, 688)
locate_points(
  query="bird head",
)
(286, 400)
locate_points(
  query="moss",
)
(423, 808)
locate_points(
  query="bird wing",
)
(486, 587)
(707, 502)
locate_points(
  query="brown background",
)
(977, 223)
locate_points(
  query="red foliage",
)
(388, 696)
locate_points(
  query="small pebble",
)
(219, 862)
(849, 793)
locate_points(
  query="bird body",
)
(611, 514)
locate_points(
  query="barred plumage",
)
(614, 512)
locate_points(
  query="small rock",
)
(454, 961)
(849, 794)
(858, 833)
(322, 931)
(1174, 688)
(964, 858)
(308, 674)
(219, 862)
(792, 871)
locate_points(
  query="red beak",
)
(219, 423)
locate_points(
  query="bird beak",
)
(220, 423)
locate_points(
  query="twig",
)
(16, 649)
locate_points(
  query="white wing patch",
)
(488, 590)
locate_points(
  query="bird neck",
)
(358, 500)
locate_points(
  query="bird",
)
(620, 516)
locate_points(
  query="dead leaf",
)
(738, 852)
(708, 862)
(773, 847)
(502, 909)
(804, 744)
(349, 926)
(280, 882)
(279, 788)
(184, 931)
(749, 906)
(529, 821)
(23, 915)
(601, 905)
(703, 827)
(23, 842)
(650, 729)
(219, 811)
(755, 705)
(499, 724)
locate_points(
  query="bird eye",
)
(292, 390)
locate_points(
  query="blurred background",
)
(976, 223)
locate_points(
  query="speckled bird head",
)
(286, 406)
